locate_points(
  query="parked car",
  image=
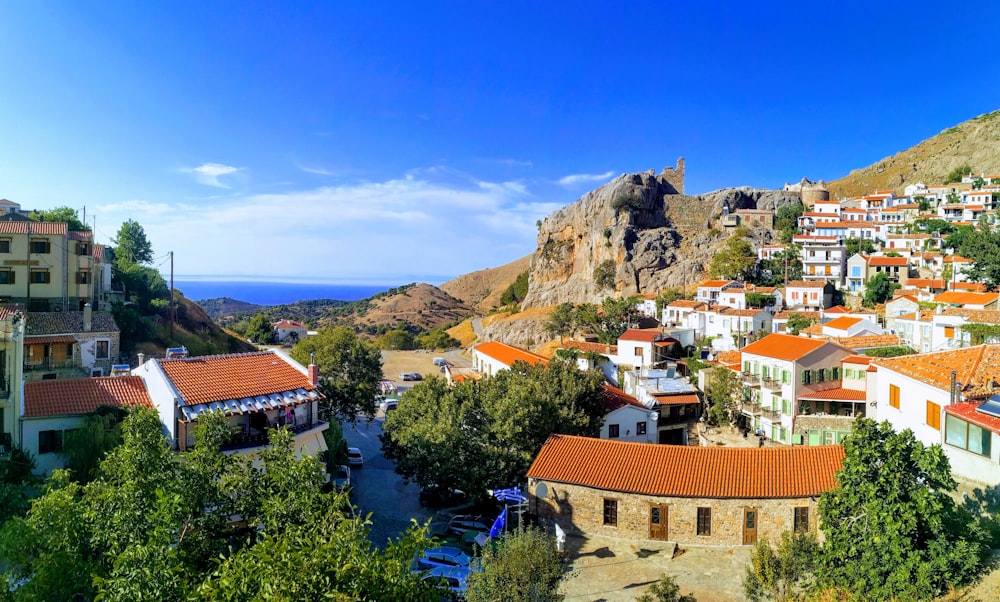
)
(387, 405)
(438, 497)
(342, 479)
(463, 523)
(440, 361)
(354, 457)
(411, 376)
(447, 557)
(454, 578)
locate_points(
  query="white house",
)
(710, 290)
(938, 396)
(290, 331)
(492, 357)
(815, 295)
(626, 418)
(642, 347)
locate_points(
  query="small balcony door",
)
(659, 515)
(749, 526)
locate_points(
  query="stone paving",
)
(613, 570)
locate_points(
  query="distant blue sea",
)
(276, 293)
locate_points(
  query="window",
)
(640, 428)
(806, 377)
(103, 349)
(820, 375)
(613, 431)
(949, 332)
(638, 351)
(4, 245)
(800, 520)
(6, 276)
(894, 396)
(786, 377)
(82, 248)
(834, 373)
(83, 277)
(704, 521)
(933, 415)
(786, 407)
(961, 434)
(611, 512)
(40, 246)
(49, 442)
(40, 277)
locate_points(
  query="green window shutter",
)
(786, 377)
(763, 371)
(746, 366)
(786, 406)
(835, 373)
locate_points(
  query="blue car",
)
(455, 579)
(445, 557)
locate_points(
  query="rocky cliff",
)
(639, 229)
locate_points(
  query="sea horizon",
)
(275, 292)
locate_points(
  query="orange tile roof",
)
(887, 261)
(223, 377)
(977, 287)
(838, 394)
(784, 315)
(857, 359)
(675, 399)
(685, 303)
(643, 335)
(837, 309)
(615, 398)
(288, 324)
(588, 346)
(507, 354)
(967, 411)
(715, 283)
(978, 316)
(958, 298)
(816, 329)
(926, 282)
(76, 396)
(42, 228)
(729, 358)
(783, 346)
(842, 323)
(977, 368)
(869, 341)
(956, 259)
(804, 284)
(688, 471)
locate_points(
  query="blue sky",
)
(387, 142)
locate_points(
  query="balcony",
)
(772, 384)
(48, 364)
(750, 379)
(241, 439)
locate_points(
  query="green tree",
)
(17, 483)
(735, 260)
(260, 330)
(668, 296)
(561, 322)
(796, 322)
(958, 173)
(479, 435)
(724, 388)
(859, 245)
(780, 575)
(523, 567)
(604, 274)
(615, 317)
(395, 339)
(65, 215)
(665, 590)
(891, 529)
(131, 244)
(983, 248)
(923, 205)
(878, 289)
(517, 291)
(436, 338)
(350, 371)
(786, 219)
(142, 284)
(85, 446)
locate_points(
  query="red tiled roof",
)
(615, 398)
(643, 335)
(857, 359)
(842, 323)
(784, 315)
(837, 309)
(958, 298)
(42, 228)
(804, 284)
(926, 282)
(967, 411)
(507, 354)
(977, 287)
(715, 283)
(869, 341)
(783, 346)
(887, 261)
(48, 340)
(588, 346)
(223, 377)
(288, 324)
(729, 358)
(686, 303)
(837, 394)
(977, 316)
(689, 471)
(977, 368)
(75, 396)
(670, 400)
(956, 259)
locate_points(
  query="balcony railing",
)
(772, 384)
(49, 365)
(256, 438)
(750, 379)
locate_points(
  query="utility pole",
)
(27, 264)
(171, 296)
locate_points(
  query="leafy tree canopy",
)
(561, 322)
(892, 531)
(131, 244)
(480, 435)
(66, 215)
(983, 248)
(395, 339)
(436, 338)
(523, 567)
(958, 173)
(736, 260)
(779, 574)
(517, 291)
(665, 590)
(797, 322)
(858, 245)
(878, 289)
(260, 330)
(350, 370)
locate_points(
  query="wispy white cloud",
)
(428, 221)
(209, 173)
(579, 179)
(508, 162)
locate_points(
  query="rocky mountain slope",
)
(637, 228)
(975, 142)
(422, 305)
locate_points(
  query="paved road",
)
(378, 489)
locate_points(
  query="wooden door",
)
(749, 526)
(659, 515)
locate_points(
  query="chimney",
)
(142, 358)
(313, 370)
(88, 318)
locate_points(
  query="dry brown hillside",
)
(975, 143)
(482, 289)
(422, 305)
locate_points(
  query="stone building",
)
(719, 496)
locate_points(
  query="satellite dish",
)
(541, 489)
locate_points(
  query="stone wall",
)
(580, 510)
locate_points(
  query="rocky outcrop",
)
(641, 233)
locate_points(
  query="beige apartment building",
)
(44, 267)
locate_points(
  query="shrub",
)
(604, 274)
(627, 202)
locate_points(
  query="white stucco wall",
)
(30, 427)
(162, 395)
(913, 398)
(626, 417)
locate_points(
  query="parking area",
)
(395, 363)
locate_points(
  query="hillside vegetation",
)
(975, 142)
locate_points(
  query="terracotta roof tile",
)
(857, 359)
(811, 330)
(837, 309)
(42, 228)
(977, 368)
(715, 283)
(804, 284)
(643, 335)
(75, 396)
(65, 322)
(615, 398)
(675, 399)
(977, 316)
(967, 411)
(689, 471)
(838, 394)
(977, 287)
(784, 315)
(588, 346)
(288, 324)
(958, 298)
(783, 346)
(686, 303)
(926, 282)
(507, 354)
(887, 261)
(239, 376)
(869, 341)
(842, 323)
(729, 358)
